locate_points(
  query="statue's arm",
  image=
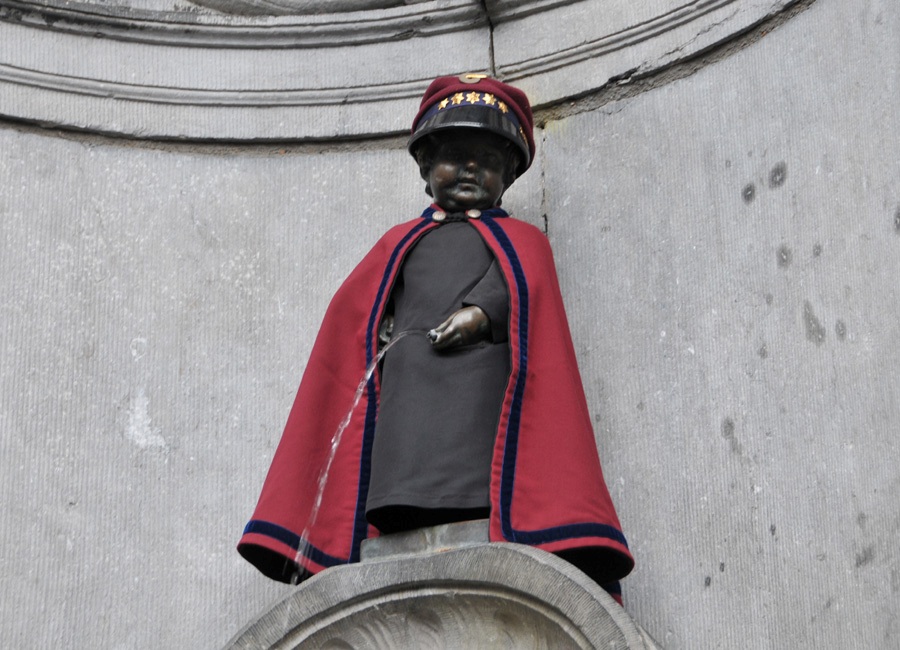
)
(483, 317)
(464, 327)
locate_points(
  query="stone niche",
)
(294, 70)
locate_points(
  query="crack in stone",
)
(641, 82)
(490, 24)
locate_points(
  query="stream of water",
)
(336, 441)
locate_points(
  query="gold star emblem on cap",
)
(473, 98)
(489, 99)
(457, 99)
(443, 103)
(503, 107)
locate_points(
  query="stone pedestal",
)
(446, 587)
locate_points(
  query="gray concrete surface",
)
(728, 250)
(157, 311)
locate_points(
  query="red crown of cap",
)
(515, 99)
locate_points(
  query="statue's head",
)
(475, 120)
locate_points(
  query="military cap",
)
(476, 101)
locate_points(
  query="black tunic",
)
(438, 412)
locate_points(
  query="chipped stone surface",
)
(140, 428)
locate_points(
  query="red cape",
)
(547, 488)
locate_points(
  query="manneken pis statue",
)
(480, 415)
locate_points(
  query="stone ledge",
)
(456, 596)
(436, 539)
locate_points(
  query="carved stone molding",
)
(203, 25)
(274, 70)
(299, 7)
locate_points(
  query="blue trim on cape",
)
(507, 477)
(293, 540)
(613, 588)
(360, 524)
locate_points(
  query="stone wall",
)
(729, 248)
(727, 234)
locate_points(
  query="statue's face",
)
(468, 170)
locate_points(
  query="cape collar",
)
(435, 213)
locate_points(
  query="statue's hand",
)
(385, 330)
(464, 327)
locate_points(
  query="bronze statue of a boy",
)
(477, 408)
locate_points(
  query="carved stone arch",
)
(281, 70)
